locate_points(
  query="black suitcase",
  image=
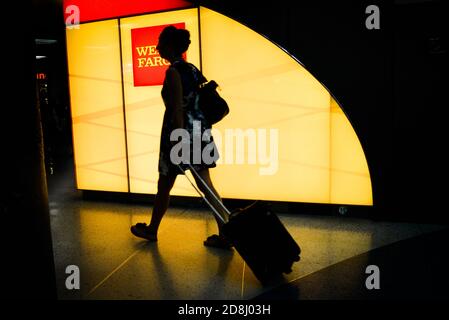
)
(262, 241)
(259, 237)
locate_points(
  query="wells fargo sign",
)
(148, 66)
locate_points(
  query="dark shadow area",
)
(413, 269)
(164, 278)
(27, 255)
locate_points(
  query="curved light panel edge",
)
(315, 154)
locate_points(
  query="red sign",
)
(148, 66)
(91, 10)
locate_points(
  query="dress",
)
(200, 140)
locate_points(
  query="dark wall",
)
(368, 72)
(420, 79)
(48, 24)
(27, 256)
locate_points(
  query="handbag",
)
(213, 106)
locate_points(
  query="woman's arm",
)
(174, 97)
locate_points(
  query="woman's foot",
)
(218, 241)
(141, 230)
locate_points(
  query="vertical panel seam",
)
(123, 104)
(199, 39)
(330, 148)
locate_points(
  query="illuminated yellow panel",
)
(351, 183)
(275, 102)
(319, 157)
(144, 105)
(267, 89)
(96, 106)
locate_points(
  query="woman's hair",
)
(179, 38)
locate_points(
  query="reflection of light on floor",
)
(171, 268)
(95, 236)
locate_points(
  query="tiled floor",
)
(115, 265)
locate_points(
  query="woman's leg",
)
(164, 186)
(204, 174)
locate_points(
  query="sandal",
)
(217, 241)
(141, 230)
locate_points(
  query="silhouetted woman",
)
(179, 93)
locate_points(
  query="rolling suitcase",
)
(258, 236)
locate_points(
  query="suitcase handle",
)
(217, 214)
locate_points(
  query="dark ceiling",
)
(48, 19)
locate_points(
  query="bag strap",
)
(202, 79)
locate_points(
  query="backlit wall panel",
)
(351, 183)
(96, 106)
(304, 148)
(320, 158)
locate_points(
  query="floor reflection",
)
(116, 265)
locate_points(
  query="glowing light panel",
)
(320, 157)
(317, 157)
(96, 106)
